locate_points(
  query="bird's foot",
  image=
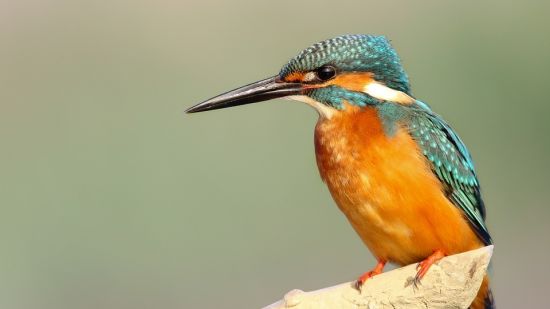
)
(425, 265)
(369, 274)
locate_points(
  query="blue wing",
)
(453, 165)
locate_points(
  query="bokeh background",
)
(112, 197)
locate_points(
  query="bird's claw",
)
(369, 274)
(424, 266)
(357, 285)
(416, 282)
(364, 277)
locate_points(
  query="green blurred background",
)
(112, 197)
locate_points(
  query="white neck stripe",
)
(383, 92)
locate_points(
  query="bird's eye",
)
(326, 72)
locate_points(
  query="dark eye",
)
(326, 72)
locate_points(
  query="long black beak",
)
(267, 89)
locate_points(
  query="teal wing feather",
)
(453, 165)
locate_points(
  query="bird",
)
(400, 174)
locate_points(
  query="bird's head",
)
(359, 70)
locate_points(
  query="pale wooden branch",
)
(451, 283)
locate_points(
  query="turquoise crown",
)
(353, 53)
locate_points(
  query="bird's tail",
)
(484, 298)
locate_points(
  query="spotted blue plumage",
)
(353, 53)
(452, 163)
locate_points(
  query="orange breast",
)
(385, 187)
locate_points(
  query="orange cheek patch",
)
(351, 81)
(364, 82)
(294, 77)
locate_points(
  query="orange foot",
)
(369, 274)
(424, 266)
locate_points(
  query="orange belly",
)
(386, 189)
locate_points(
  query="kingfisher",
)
(401, 175)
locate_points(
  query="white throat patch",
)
(323, 110)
